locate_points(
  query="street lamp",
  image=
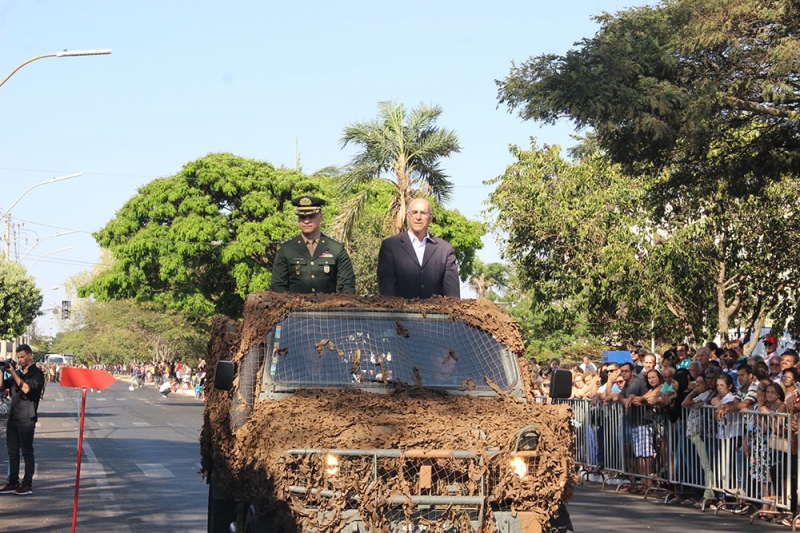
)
(29, 189)
(39, 241)
(65, 53)
(50, 252)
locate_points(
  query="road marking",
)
(156, 470)
(141, 424)
(59, 399)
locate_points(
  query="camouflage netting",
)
(252, 465)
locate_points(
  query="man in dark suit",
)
(414, 264)
(312, 262)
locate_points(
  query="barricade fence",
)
(741, 457)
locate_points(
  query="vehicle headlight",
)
(519, 467)
(331, 464)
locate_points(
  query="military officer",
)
(312, 262)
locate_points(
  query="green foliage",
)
(577, 236)
(20, 299)
(124, 331)
(462, 233)
(487, 276)
(705, 88)
(201, 240)
(587, 248)
(550, 330)
(403, 149)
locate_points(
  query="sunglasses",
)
(303, 217)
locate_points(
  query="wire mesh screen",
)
(346, 347)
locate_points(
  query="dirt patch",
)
(253, 464)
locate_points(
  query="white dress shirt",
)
(419, 246)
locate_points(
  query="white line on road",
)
(156, 470)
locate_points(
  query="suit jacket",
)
(400, 274)
(329, 271)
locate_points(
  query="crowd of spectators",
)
(673, 387)
(169, 376)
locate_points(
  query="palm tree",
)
(403, 149)
(486, 276)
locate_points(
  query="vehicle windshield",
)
(347, 347)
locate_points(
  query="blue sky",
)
(255, 78)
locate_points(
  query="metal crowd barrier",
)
(742, 458)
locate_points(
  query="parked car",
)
(340, 413)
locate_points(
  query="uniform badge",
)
(326, 253)
(326, 269)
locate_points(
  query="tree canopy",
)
(586, 249)
(124, 331)
(487, 276)
(707, 90)
(198, 242)
(402, 148)
(20, 299)
(201, 240)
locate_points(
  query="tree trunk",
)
(725, 311)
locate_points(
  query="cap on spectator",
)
(308, 205)
(769, 339)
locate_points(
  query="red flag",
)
(86, 378)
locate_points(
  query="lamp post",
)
(29, 189)
(65, 53)
(39, 241)
(50, 252)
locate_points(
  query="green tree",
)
(20, 297)
(403, 149)
(571, 237)
(487, 276)
(586, 246)
(123, 331)
(201, 240)
(706, 89)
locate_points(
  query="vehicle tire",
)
(220, 512)
(257, 523)
(561, 523)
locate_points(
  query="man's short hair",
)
(24, 348)
(744, 366)
(793, 354)
(627, 363)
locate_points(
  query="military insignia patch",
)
(326, 253)
(327, 269)
(305, 201)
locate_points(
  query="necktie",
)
(312, 246)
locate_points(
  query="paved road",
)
(142, 458)
(139, 472)
(593, 510)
